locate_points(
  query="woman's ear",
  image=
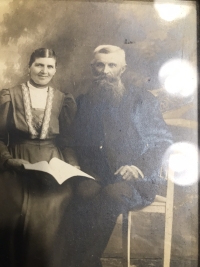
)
(29, 71)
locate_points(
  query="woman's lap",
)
(34, 211)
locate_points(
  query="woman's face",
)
(42, 70)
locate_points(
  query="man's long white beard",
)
(107, 91)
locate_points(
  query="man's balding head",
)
(117, 52)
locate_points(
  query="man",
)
(120, 140)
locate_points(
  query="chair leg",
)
(168, 226)
(126, 232)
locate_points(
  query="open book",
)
(59, 169)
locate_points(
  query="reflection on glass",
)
(170, 11)
(178, 76)
(182, 159)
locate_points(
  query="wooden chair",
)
(160, 205)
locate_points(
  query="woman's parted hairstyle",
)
(42, 52)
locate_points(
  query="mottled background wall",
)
(73, 30)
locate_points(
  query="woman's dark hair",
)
(42, 52)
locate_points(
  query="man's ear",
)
(123, 69)
(92, 68)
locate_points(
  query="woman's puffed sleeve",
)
(5, 111)
(66, 120)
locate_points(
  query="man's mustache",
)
(105, 77)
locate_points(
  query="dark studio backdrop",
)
(73, 30)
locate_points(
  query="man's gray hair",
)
(107, 49)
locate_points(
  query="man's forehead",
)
(108, 58)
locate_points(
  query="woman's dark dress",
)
(35, 225)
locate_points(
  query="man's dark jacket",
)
(131, 133)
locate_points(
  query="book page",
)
(59, 169)
(65, 171)
(42, 166)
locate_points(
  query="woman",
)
(35, 125)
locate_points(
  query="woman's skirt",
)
(35, 213)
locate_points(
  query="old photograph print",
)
(159, 40)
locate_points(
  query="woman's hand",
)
(15, 164)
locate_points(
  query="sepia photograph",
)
(98, 133)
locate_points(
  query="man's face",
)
(107, 67)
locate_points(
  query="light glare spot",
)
(178, 76)
(171, 11)
(182, 159)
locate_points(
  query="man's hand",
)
(129, 172)
(16, 164)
